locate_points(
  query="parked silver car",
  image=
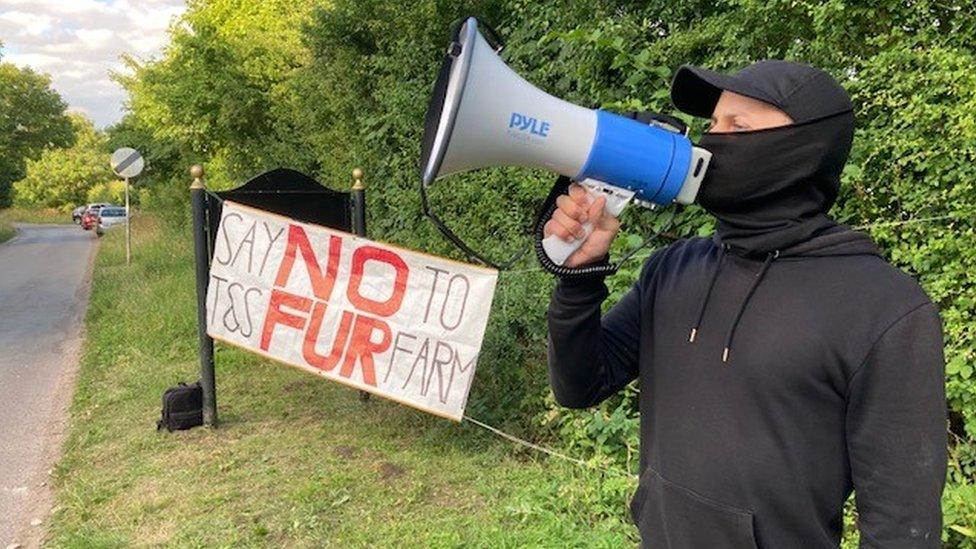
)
(111, 216)
(77, 213)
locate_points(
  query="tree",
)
(62, 177)
(218, 88)
(109, 191)
(32, 119)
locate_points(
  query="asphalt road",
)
(44, 284)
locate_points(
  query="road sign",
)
(127, 162)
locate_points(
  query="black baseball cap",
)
(801, 91)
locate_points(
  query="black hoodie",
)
(782, 364)
(835, 386)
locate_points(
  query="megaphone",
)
(483, 114)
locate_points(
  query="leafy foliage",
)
(32, 119)
(62, 177)
(109, 191)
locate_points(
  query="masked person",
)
(782, 362)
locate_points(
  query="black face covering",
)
(772, 188)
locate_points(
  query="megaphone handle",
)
(558, 249)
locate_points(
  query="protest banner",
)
(401, 324)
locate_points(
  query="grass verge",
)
(24, 215)
(7, 231)
(297, 461)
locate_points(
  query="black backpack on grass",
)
(182, 407)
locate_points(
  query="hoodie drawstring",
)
(708, 293)
(752, 288)
(711, 284)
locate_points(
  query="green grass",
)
(7, 231)
(41, 215)
(9, 216)
(297, 461)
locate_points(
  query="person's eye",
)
(740, 127)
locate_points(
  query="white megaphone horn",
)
(483, 114)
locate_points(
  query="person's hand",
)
(571, 212)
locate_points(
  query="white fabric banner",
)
(398, 323)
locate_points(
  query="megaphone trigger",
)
(617, 197)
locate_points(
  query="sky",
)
(78, 42)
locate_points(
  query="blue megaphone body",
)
(484, 114)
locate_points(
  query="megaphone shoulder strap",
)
(459, 242)
(491, 35)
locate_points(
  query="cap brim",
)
(695, 90)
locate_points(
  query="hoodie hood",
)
(836, 240)
(772, 188)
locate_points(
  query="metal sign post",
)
(127, 217)
(359, 222)
(127, 163)
(201, 257)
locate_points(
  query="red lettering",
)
(298, 242)
(276, 316)
(325, 362)
(379, 308)
(361, 347)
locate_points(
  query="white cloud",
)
(78, 42)
(31, 24)
(37, 61)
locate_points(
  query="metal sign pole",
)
(127, 221)
(208, 383)
(359, 222)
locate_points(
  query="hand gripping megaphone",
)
(483, 114)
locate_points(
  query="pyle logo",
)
(529, 124)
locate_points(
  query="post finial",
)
(357, 176)
(196, 172)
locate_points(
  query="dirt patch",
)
(295, 386)
(389, 470)
(345, 452)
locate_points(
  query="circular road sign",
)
(127, 162)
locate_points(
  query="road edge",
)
(56, 431)
(17, 233)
